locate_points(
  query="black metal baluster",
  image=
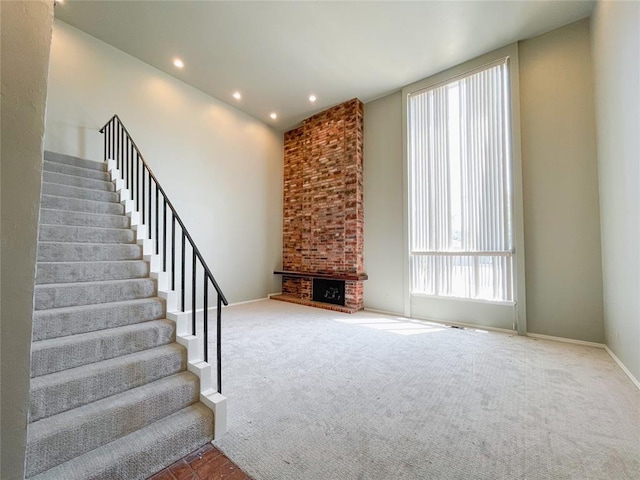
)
(138, 181)
(164, 234)
(173, 251)
(206, 317)
(144, 176)
(193, 291)
(157, 222)
(131, 169)
(150, 219)
(219, 342)
(113, 140)
(126, 163)
(118, 150)
(182, 266)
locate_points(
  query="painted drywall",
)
(561, 209)
(24, 53)
(616, 54)
(547, 287)
(221, 168)
(383, 230)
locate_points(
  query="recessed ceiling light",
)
(178, 63)
(312, 98)
(274, 115)
(237, 95)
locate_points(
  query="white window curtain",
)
(460, 187)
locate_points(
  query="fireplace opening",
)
(328, 291)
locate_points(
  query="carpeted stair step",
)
(69, 272)
(78, 192)
(75, 161)
(76, 171)
(81, 205)
(81, 219)
(142, 453)
(58, 295)
(60, 438)
(57, 354)
(78, 252)
(74, 234)
(61, 322)
(75, 181)
(61, 391)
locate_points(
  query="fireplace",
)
(328, 291)
(323, 210)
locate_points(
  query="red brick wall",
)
(323, 198)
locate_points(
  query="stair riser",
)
(76, 171)
(62, 354)
(81, 205)
(74, 161)
(138, 455)
(63, 233)
(63, 322)
(79, 219)
(81, 252)
(77, 192)
(60, 295)
(122, 416)
(61, 178)
(57, 272)
(63, 391)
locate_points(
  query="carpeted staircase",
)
(110, 395)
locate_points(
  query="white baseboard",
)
(383, 312)
(273, 294)
(633, 379)
(440, 322)
(566, 340)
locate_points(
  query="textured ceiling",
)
(278, 53)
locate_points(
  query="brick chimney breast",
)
(323, 221)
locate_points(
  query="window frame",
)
(511, 53)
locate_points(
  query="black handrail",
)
(119, 146)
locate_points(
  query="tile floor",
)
(207, 463)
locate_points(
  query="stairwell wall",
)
(26, 38)
(221, 168)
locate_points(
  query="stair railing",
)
(150, 199)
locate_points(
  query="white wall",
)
(221, 168)
(562, 221)
(571, 291)
(26, 37)
(383, 230)
(616, 57)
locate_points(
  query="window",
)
(460, 187)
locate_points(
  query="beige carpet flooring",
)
(319, 395)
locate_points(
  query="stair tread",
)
(71, 191)
(82, 337)
(76, 308)
(78, 415)
(97, 282)
(64, 321)
(61, 437)
(142, 453)
(87, 200)
(72, 160)
(88, 383)
(65, 177)
(62, 353)
(76, 171)
(83, 213)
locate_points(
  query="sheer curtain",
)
(461, 240)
